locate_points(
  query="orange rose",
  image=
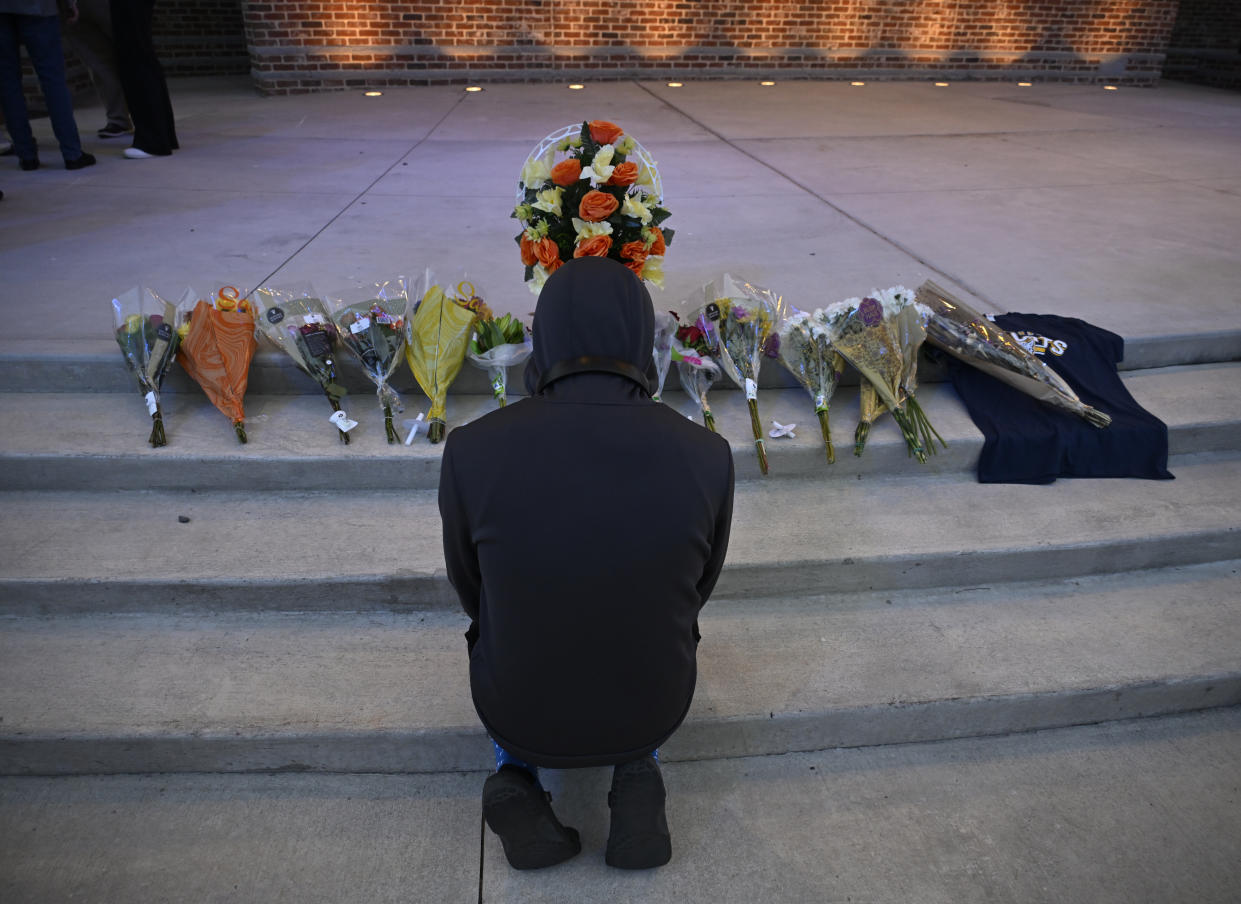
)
(596, 206)
(633, 251)
(658, 247)
(546, 252)
(527, 252)
(566, 172)
(624, 174)
(605, 132)
(553, 266)
(596, 246)
(636, 267)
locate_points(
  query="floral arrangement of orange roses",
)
(600, 198)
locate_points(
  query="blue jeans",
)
(41, 36)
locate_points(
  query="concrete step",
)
(97, 441)
(359, 550)
(1137, 812)
(388, 692)
(94, 365)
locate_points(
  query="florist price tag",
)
(152, 403)
(751, 389)
(360, 325)
(314, 317)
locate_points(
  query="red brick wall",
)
(301, 45)
(200, 37)
(1205, 46)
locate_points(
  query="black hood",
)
(594, 316)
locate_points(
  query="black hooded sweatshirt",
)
(584, 527)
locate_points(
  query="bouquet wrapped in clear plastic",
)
(696, 368)
(498, 344)
(217, 346)
(665, 333)
(961, 331)
(144, 326)
(739, 320)
(370, 323)
(806, 352)
(437, 337)
(880, 336)
(298, 323)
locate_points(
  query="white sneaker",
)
(137, 154)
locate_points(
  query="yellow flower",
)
(653, 270)
(587, 230)
(535, 172)
(600, 169)
(184, 329)
(645, 178)
(636, 208)
(627, 145)
(549, 200)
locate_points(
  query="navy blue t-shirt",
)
(1028, 441)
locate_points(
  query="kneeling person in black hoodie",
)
(584, 528)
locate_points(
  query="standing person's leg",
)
(91, 39)
(41, 35)
(142, 77)
(12, 98)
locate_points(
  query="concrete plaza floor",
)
(1120, 207)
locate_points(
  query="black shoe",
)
(639, 837)
(83, 161)
(520, 812)
(28, 163)
(114, 131)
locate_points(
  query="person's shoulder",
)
(490, 427)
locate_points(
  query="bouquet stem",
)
(923, 425)
(758, 435)
(709, 419)
(239, 427)
(344, 437)
(435, 430)
(859, 437)
(827, 435)
(388, 428)
(158, 438)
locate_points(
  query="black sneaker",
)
(83, 161)
(28, 163)
(114, 131)
(518, 810)
(639, 837)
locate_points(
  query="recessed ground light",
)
(675, 84)
(857, 84)
(576, 87)
(474, 89)
(1109, 88)
(941, 84)
(1023, 84)
(767, 84)
(374, 94)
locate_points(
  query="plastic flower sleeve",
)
(370, 322)
(437, 336)
(217, 345)
(298, 323)
(964, 333)
(698, 374)
(807, 353)
(739, 318)
(665, 330)
(144, 326)
(488, 351)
